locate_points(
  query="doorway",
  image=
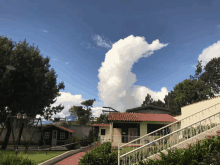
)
(125, 135)
(54, 137)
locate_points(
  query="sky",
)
(116, 51)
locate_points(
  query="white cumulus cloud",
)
(68, 100)
(209, 53)
(116, 87)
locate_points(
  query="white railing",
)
(128, 138)
(202, 126)
(173, 128)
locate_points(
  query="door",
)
(124, 135)
(54, 137)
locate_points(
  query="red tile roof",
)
(102, 125)
(65, 129)
(140, 117)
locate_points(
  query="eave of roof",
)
(140, 117)
(60, 127)
(101, 124)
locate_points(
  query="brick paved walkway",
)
(73, 160)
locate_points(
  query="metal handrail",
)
(182, 129)
(157, 131)
(178, 121)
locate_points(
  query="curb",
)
(65, 155)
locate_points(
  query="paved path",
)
(73, 160)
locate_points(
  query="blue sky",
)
(96, 47)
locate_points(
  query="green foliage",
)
(190, 91)
(83, 115)
(204, 152)
(100, 155)
(194, 131)
(103, 118)
(211, 75)
(150, 101)
(72, 139)
(201, 153)
(86, 141)
(15, 160)
(171, 104)
(96, 134)
(32, 86)
(91, 135)
(56, 119)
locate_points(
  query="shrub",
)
(13, 159)
(91, 136)
(100, 155)
(199, 153)
(75, 140)
(85, 141)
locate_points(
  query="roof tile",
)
(101, 124)
(140, 117)
(65, 129)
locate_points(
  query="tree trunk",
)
(8, 133)
(20, 133)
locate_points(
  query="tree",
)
(103, 118)
(31, 88)
(158, 103)
(211, 75)
(198, 71)
(148, 100)
(171, 104)
(83, 115)
(190, 91)
(56, 119)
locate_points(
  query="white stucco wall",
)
(106, 137)
(210, 109)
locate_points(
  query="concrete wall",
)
(193, 108)
(106, 137)
(80, 131)
(26, 135)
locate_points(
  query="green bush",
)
(200, 154)
(15, 160)
(85, 141)
(100, 155)
(75, 140)
(91, 136)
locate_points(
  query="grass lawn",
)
(38, 158)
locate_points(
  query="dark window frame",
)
(102, 132)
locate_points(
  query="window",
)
(47, 135)
(62, 135)
(102, 131)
